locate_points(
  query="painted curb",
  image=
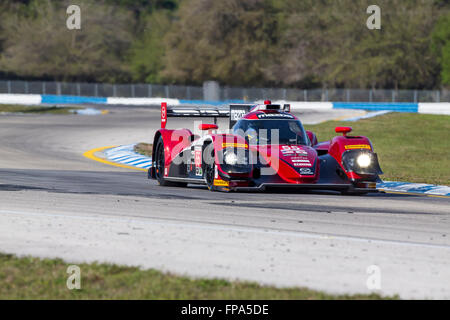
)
(424, 108)
(88, 112)
(52, 99)
(368, 115)
(414, 188)
(126, 155)
(398, 107)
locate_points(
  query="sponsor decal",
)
(234, 145)
(163, 115)
(306, 171)
(357, 146)
(166, 173)
(237, 114)
(275, 116)
(221, 183)
(198, 161)
(301, 164)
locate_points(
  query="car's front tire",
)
(352, 192)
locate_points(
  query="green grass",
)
(144, 148)
(36, 109)
(410, 147)
(32, 278)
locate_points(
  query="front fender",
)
(344, 147)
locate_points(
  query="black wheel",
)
(209, 170)
(351, 192)
(160, 167)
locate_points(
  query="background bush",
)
(289, 43)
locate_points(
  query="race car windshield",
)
(271, 131)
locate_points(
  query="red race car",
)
(264, 147)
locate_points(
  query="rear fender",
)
(174, 142)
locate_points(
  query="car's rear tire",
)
(160, 164)
(209, 166)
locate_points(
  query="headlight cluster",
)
(364, 160)
(232, 157)
(361, 162)
(235, 160)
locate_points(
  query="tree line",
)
(280, 43)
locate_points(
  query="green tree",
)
(441, 45)
(38, 44)
(329, 41)
(147, 54)
(230, 41)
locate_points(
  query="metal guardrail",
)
(224, 93)
(101, 89)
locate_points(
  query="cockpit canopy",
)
(272, 131)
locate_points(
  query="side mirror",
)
(312, 137)
(205, 127)
(343, 130)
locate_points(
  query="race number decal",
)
(291, 151)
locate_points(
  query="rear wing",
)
(230, 112)
(237, 111)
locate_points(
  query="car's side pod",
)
(340, 144)
(346, 150)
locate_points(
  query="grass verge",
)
(144, 148)
(411, 147)
(36, 109)
(32, 278)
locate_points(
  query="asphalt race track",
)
(56, 203)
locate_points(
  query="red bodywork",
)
(316, 165)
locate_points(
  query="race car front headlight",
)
(361, 162)
(364, 160)
(231, 158)
(235, 161)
